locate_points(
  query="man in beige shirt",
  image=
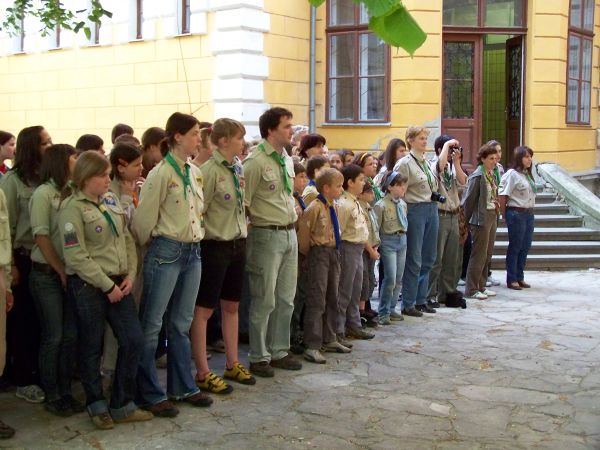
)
(272, 246)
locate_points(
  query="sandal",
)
(214, 384)
(6, 431)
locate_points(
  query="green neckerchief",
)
(184, 178)
(491, 179)
(280, 159)
(102, 208)
(376, 190)
(425, 168)
(497, 174)
(447, 179)
(234, 169)
(530, 180)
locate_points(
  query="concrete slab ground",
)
(518, 371)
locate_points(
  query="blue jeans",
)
(421, 252)
(58, 345)
(171, 281)
(393, 254)
(520, 235)
(92, 311)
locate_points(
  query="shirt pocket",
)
(4, 227)
(270, 180)
(94, 225)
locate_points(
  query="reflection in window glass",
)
(572, 91)
(364, 15)
(574, 44)
(458, 80)
(372, 55)
(586, 96)
(586, 72)
(588, 15)
(460, 13)
(504, 13)
(372, 91)
(341, 12)
(342, 55)
(341, 99)
(575, 14)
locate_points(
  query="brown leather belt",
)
(442, 212)
(276, 227)
(521, 210)
(43, 268)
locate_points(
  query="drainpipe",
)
(312, 63)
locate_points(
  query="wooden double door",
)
(462, 89)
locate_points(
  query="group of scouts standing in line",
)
(154, 238)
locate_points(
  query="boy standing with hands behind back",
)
(319, 238)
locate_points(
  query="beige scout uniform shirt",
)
(372, 223)
(517, 187)
(5, 247)
(267, 200)
(387, 216)
(448, 186)
(18, 196)
(125, 200)
(315, 228)
(44, 209)
(224, 218)
(164, 210)
(418, 190)
(353, 225)
(310, 194)
(91, 249)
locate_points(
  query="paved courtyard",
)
(520, 370)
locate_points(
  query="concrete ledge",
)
(578, 197)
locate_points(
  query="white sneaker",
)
(315, 356)
(478, 296)
(488, 283)
(462, 282)
(492, 281)
(335, 347)
(489, 293)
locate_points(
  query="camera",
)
(455, 149)
(437, 197)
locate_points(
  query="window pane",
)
(586, 73)
(372, 101)
(341, 99)
(460, 13)
(341, 12)
(341, 55)
(586, 98)
(574, 49)
(364, 15)
(458, 80)
(575, 13)
(588, 15)
(372, 55)
(504, 13)
(572, 101)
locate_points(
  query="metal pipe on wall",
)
(312, 69)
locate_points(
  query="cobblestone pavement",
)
(520, 370)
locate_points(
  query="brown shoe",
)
(6, 432)
(262, 369)
(514, 285)
(288, 362)
(524, 285)
(359, 333)
(163, 409)
(103, 421)
(139, 415)
(198, 399)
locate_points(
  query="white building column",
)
(241, 67)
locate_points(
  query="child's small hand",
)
(374, 255)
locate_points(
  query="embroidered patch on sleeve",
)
(70, 236)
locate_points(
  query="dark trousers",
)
(321, 303)
(520, 234)
(296, 326)
(58, 345)
(23, 328)
(93, 310)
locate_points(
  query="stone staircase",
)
(560, 241)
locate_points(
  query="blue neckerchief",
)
(312, 183)
(334, 221)
(401, 215)
(300, 200)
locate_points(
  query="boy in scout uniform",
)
(319, 240)
(445, 273)
(272, 252)
(354, 235)
(223, 255)
(5, 294)
(100, 259)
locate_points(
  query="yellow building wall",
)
(90, 89)
(415, 86)
(546, 130)
(287, 45)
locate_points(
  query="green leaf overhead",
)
(399, 29)
(378, 8)
(316, 3)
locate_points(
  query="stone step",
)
(556, 234)
(554, 247)
(555, 220)
(550, 209)
(545, 197)
(552, 262)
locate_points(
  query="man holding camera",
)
(445, 273)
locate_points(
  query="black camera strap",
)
(426, 171)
